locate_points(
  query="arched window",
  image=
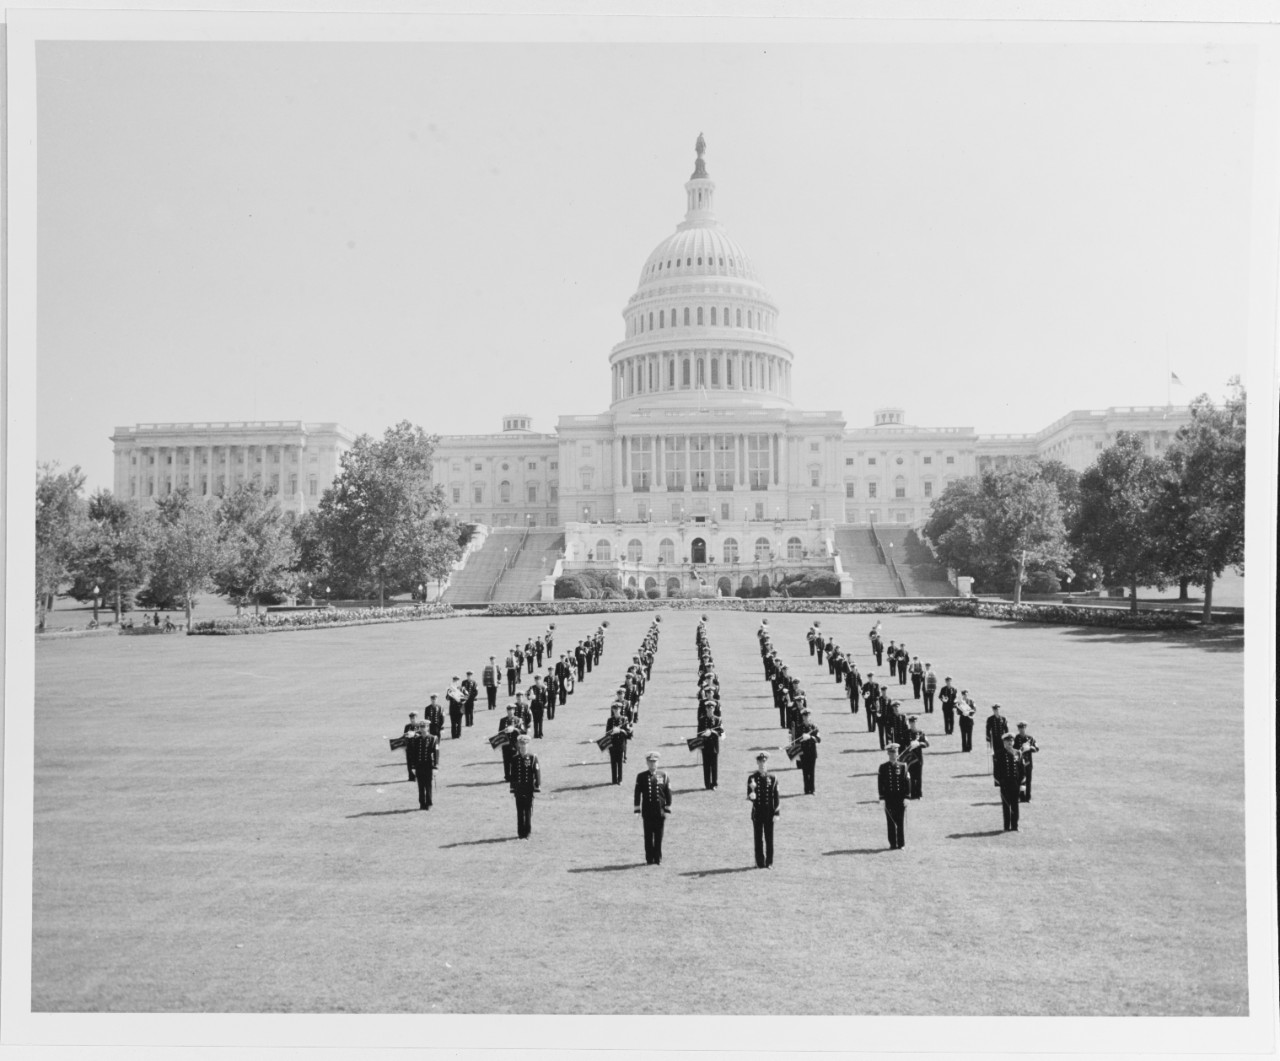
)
(728, 372)
(671, 374)
(730, 550)
(504, 492)
(604, 551)
(762, 548)
(747, 584)
(795, 550)
(662, 318)
(651, 320)
(726, 316)
(632, 582)
(684, 373)
(702, 373)
(635, 551)
(673, 587)
(715, 372)
(650, 584)
(738, 317)
(686, 316)
(725, 586)
(666, 551)
(713, 314)
(699, 314)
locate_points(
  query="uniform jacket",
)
(419, 752)
(894, 783)
(767, 803)
(1008, 768)
(1026, 744)
(931, 681)
(653, 793)
(947, 694)
(997, 727)
(490, 676)
(809, 750)
(433, 715)
(516, 724)
(469, 690)
(526, 775)
(710, 720)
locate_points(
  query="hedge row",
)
(722, 604)
(1062, 613)
(270, 623)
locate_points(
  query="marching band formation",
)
(900, 778)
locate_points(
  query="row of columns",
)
(631, 374)
(215, 464)
(622, 471)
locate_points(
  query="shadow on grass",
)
(873, 774)
(717, 872)
(685, 791)
(789, 795)
(607, 869)
(954, 776)
(486, 762)
(582, 788)
(381, 813)
(995, 804)
(861, 751)
(1223, 638)
(477, 784)
(970, 836)
(366, 784)
(474, 843)
(864, 802)
(858, 851)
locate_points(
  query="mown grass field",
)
(220, 827)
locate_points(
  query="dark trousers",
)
(1009, 805)
(491, 691)
(508, 753)
(563, 694)
(551, 708)
(917, 684)
(993, 752)
(813, 648)
(902, 674)
(882, 725)
(408, 763)
(581, 669)
(615, 761)
(524, 814)
(1026, 777)
(820, 656)
(915, 771)
(435, 755)
(710, 767)
(782, 714)
(879, 656)
(512, 673)
(807, 767)
(470, 711)
(424, 787)
(871, 719)
(895, 816)
(590, 661)
(538, 655)
(948, 719)
(653, 826)
(928, 700)
(763, 827)
(853, 702)
(528, 660)
(537, 724)
(455, 725)
(966, 733)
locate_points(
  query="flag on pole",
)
(1173, 378)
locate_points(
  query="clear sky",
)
(985, 234)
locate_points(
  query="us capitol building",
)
(701, 430)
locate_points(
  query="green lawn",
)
(219, 826)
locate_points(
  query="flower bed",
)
(1074, 614)
(312, 620)
(723, 604)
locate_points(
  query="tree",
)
(187, 548)
(256, 541)
(1115, 528)
(115, 550)
(60, 520)
(1200, 511)
(377, 520)
(993, 525)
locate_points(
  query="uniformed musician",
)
(526, 781)
(433, 716)
(808, 757)
(997, 727)
(454, 697)
(537, 704)
(490, 678)
(620, 728)
(1026, 745)
(423, 750)
(916, 670)
(1009, 779)
(871, 700)
(410, 728)
(930, 687)
(965, 710)
(711, 730)
(894, 786)
(512, 725)
(913, 753)
(653, 804)
(470, 691)
(762, 791)
(947, 697)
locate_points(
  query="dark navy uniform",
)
(512, 725)
(947, 696)
(762, 790)
(433, 716)
(423, 752)
(618, 725)
(470, 693)
(997, 727)
(915, 761)
(709, 724)
(808, 757)
(916, 670)
(490, 678)
(538, 705)
(1009, 778)
(964, 715)
(1025, 744)
(526, 780)
(871, 694)
(513, 672)
(409, 729)
(653, 804)
(895, 786)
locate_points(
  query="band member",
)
(490, 678)
(537, 650)
(913, 754)
(433, 716)
(762, 791)
(877, 645)
(621, 730)
(891, 654)
(812, 638)
(424, 754)
(1009, 779)
(853, 684)
(894, 788)
(580, 658)
(930, 687)
(904, 657)
(895, 727)
(1025, 744)
(549, 638)
(563, 678)
(653, 804)
(538, 705)
(528, 655)
(710, 729)
(916, 670)
(410, 728)
(947, 696)
(454, 697)
(997, 727)
(513, 726)
(965, 710)
(526, 780)
(513, 672)
(871, 700)
(470, 691)
(808, 757)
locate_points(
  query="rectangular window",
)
(674, 460)
(133, 487)
(815, 477)
(477, 494)
(815, 447)
(641, 462)
(699, 461)
(457, 495)
(928, 460)
(715, 370)
(275, 483)
(724, 510)
(759, 510)
(555, 465)
(585, 473)
(642, 511)
(533, 466)
(478, 467)
(553, 493)
(314, 487)
(533, 493)
(848, 461)
(586, 449)
(871, 460)
(848, 490)
(951, 460)
(724, 458)
(758, 463)
(928, 489)
(899, 490)
(871, 489)
(293, 484)
(728, 368)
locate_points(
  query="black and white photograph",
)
(708, 520)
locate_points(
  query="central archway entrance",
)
(698, 551)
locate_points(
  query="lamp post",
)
(96, 591)
(422, 592)
(327, 591)
(310, 596)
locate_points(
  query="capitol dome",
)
(701, 328)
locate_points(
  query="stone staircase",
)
(523, 579)
(474, 581)
(921, 574)
(860, 559)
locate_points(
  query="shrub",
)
(1070, 614)
(272, 622)
(1042, 582)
